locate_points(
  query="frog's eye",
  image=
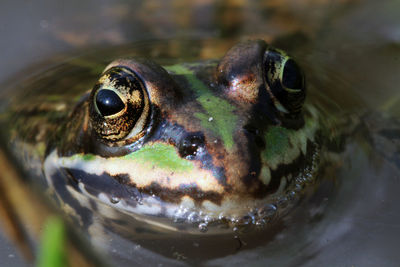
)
(119, 106)
(285, 81)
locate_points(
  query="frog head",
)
(195, 142)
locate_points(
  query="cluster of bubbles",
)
(257, 216)
(135, 198)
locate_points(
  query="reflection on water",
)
(350, 52)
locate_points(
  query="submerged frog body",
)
(213, 142)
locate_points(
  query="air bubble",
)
(298, 188)
(193, 217)
(309, 177)
(292, 195)
(114, 199)
(234, 221)
(267, 212)
(207, 219)
(301, 180)
(260, 222)
(245, 220)
(180, 215)
(203, 227)
(282, 202)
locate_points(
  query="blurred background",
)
(350, 37)
(349, 49)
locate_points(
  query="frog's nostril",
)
(191, 145)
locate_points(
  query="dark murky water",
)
(350, 51)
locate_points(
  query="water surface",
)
(350, 51)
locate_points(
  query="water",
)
(350, 52)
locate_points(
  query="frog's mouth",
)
(90, 192)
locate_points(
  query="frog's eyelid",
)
(290, 90)
(142, 121)
(140, 124)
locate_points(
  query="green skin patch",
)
(154, 156)
(219, 117)
(284, 145)
(277, 139)
(162, 156)
(88, 157)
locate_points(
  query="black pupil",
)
(292, 76)
(108, 102)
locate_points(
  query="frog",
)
(200, 148)
(211, 142)
(180, 147)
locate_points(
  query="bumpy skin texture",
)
(213, 140)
